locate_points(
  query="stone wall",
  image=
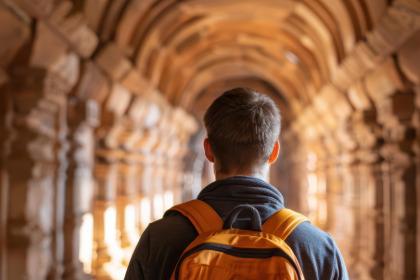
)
(363, 132)
(79, 124)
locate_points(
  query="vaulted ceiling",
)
(183, 47)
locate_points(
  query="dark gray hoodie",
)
(164, 240)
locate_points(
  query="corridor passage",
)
(101, 106)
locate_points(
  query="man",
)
(243, 127)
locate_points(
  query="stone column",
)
(141, 193)
(396, 114)
(126, 197)
(314, 180)
(150, 180)
(30, 169)
(341, 183)
(58, 97)
(296, 178)
(409, 65)
(191, 179)
(416, 148)
(5, 114)
(340, 216)
(401, 254)
(170, 166)
(80, 186)
(179, 167)
(359, 209)
(146, 180)
(157, 188)
(173, 180)
(106, 175)
(366, 240)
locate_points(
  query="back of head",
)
(242, 127)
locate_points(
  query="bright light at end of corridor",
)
(145, 212)
(158, 207)
(168, 199)
(86, 242)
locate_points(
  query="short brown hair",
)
(242, 127)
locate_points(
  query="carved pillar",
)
(367, 207)
(173, 180)
(157, 188)
(143, 201)
(294, 181)
(121, 202)
(106, 175)
(146, 182)
(149, 180)
(372, 192)
(353, 187)
(60, 151)
(30, 168)
(179, 168)
(416, 148)
(315, 163)
(125, 203)
(351, 196)
(335, 197)
(368, 210)
(5, 113)
(401, 254)
(339, 185)
(409, 65)
(169, 167)
(56, 93)
(79, 188)
(192, 178)
(168, 187)
(396, 115)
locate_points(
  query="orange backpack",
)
(222, 252)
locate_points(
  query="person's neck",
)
(260, 173)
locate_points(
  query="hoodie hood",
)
(224, 195)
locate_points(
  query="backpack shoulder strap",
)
(200, 214)
(283, 222)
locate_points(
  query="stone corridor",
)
(100, 122)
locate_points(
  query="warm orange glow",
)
(114, 268)
(86, 242)
(145, 212)
(317, 202)
(158, 206)
(130, 224)
(312, 196)
(168, 199)
(110, 226)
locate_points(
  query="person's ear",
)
(274, 153)
(208, 151)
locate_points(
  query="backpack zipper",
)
(258, 253)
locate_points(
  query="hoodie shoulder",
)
(160, 247)
(317, 253)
